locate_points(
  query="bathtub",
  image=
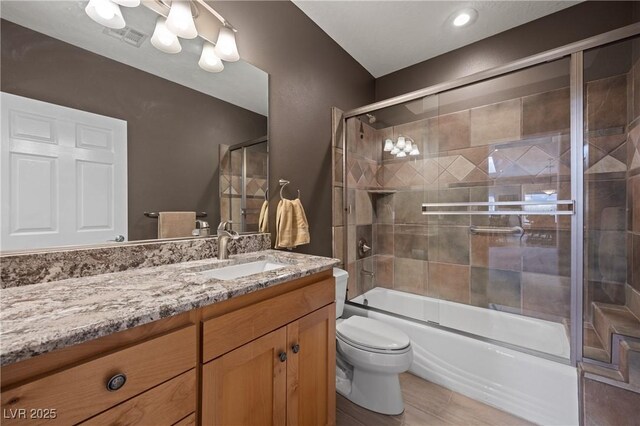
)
(487, 369)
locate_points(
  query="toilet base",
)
(376, 392)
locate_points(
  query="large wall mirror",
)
(104, 135)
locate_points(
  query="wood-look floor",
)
(426, 404)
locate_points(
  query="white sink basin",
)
(242, 270)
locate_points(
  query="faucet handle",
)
(225, 225)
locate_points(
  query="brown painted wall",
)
(173, 131)
(309, 73)
(572, 24)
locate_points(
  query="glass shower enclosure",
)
(471, 195)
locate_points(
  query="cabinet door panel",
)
(311, 377)
(247, 386)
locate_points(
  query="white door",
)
(64, 176)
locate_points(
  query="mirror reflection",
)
(104, 134)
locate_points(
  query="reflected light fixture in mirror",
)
(105, 12)
(404, 145)
(226, 47)
(163, 39)
(209, 61)
(180, 20)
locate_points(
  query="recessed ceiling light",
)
(464, 17)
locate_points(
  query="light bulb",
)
(209, 61)
(388, 145)
(106, 13)
(415, 150)
(464, 17)
(408, 147)
(163, 39)
(127, 3)
(226, 47)
(401, 142)
(401, 154)
(395, 151)
(180, 21)
(461, 19)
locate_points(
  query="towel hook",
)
(284, 183)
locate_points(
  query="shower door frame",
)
(575, 51)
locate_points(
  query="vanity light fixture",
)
(403, 147)
(163, 39)
(177, 18)
(226, 47)
(180, 20)
(209, 61)
(464, 17)
(105, 12)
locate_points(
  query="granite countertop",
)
(40, 318)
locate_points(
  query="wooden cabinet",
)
(79, 392)
(311, 371)
(267, 357)
(284, 377)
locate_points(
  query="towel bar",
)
(515, 230)
(154, 215)
(555, 212)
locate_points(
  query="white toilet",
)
(370, 355)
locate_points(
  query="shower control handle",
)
(295, 348)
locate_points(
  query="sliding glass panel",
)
(389, 164)
(474, 231)
(505, 150)
(612, 195)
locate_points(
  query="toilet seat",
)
(372, 335)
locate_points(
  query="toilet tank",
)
(341, 277)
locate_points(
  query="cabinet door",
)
(247, 386)
(311, 369)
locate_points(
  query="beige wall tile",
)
(449, 282)
(496, 123)
(546, 294)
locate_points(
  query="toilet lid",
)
(371, 333)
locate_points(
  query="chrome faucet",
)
(225, 233)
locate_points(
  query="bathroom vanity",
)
(174, 345)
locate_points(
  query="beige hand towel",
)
(176, 224)
(263, 221)
(292, 228)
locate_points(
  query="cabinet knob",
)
(116, 382)
(283, 356)
(295, 348)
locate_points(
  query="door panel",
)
(64, 176)
(311, 371)
(247, 386)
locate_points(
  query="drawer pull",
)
(283, 356)
(295, 348)
(116, 382)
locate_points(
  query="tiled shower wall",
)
(507, 151)
(231, 186)
(633, 191)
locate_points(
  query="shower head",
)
(372, 118)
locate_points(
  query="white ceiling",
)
(240, 83)
(385, 36)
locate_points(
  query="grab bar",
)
(568, 203)
(515, 230)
